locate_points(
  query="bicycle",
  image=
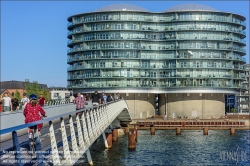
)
(32, 139)
(32, 143)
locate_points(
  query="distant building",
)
(243, 100)
(3, 91)
(59, 92)
(187, 57)
(12, 86)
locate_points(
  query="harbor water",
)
(167, 148)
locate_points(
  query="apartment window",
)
(208, 44)
(134, 26)
(191, 45)
(131, 45)
(128, 54)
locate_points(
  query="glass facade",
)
(243, 96)
(139, 49)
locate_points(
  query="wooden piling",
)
(178, 131)
(232, 131)
(135, 132)
(109, 140)
(205, 131)
(115, 134)
(131, 141)
(152, 130)
(126, 130)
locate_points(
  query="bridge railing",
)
(83, 128)
(48, 103)
(57, 102)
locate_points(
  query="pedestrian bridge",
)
(65, 138)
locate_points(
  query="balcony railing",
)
(158, 76)
(212, 18)
(170, 47)
(140, 85)
(142, 56)
(80, 67)
(179, 37)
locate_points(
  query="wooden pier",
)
(215, 124)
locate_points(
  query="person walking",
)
(79, 101)
(110, 98)
(104, 98)
(24, 101)
(33, 111)
(41, 100)
(7, 102)
(15, 104)
(96, 99)
(72, 98)
(118, 96)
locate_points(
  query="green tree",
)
(46, 94)
(233, 110)
(34, 88)
(17, 95)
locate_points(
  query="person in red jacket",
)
(41, 100)
(33, 112)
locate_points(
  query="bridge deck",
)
(65, 144)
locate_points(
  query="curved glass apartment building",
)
(186, 55)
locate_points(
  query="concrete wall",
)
(192, 105)
(202, 105)
(140, 105)
(15, 118)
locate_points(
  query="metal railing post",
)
(100, 120)
(39, 153)
(89, 126)
(103, 119)
(66, 151)
(89, 157)
(55, 153)
(73, 137)
(97, 121)
(106, 116)
(79, 130)
(18, 155)
(85, 131)
(92, 121)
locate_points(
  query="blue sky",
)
(34, 34)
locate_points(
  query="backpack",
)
(109, 98)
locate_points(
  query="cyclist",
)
(32, 112)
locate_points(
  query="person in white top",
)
(104, 98)
(72, 98)
(7, 102)
(24, 101)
